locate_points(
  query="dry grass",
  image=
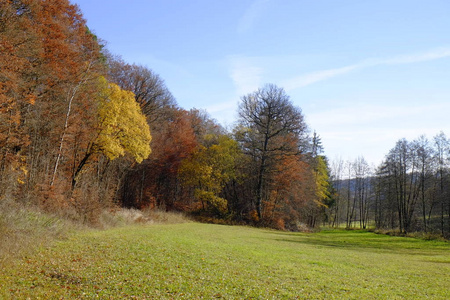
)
(24, 229)
(123, 217)
(419, 234)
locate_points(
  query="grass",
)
(192, 260)
(24, 229)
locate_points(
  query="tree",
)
(47, 59)
(424, 154)
(210, 168)
(362, 189)
(156, 182)
(122, 128)
(337, 168)
(442, 153)
(149, 88)
(269, 127)
(16, 44)
(401, 164)
(320, 196)
(290, 195)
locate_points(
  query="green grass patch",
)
(193, 260)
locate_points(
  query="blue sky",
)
(365, 73)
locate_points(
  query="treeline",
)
(62, 124)
(82, 131)
(409, 191)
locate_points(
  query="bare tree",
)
(148, 87)
(424, 154)
(270, 126)
(362, 189)
(337, 169)
(442, 146)
(350, 211)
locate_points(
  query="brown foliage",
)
(48, 58)
(155, 183)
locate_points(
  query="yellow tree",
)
(323, 192)
(210, 168)
(122, 127)
(322, 181)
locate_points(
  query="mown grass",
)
(193, 260)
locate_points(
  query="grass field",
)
(194, 261)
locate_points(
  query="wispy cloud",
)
(251, 15)
(307, 79)
(222, 106)
(369, 114)
(310, 78)
(415, 58)
(224, 112)
(246, 77)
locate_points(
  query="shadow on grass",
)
(360, 240)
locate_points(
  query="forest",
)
(82, 131)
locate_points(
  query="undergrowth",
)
(418, 234)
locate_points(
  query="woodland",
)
(83, 131)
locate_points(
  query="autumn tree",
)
(323, 190)
(122, 127)
(155, 183)
(270, 127)
(149, 88)
(48, 58)
(291, 194)
(210, 168)
(16, 44)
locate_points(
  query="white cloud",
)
(370, 113)
(367, 130)
(304, 80)
(310, 78)
(415, 58)
(224, 112)
(371, 143)
(247, 71)
(251, 15)
(246, 77)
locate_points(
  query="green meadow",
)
(192, 261)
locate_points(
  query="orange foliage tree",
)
(49, 60)
(155, 182)
(270, 128)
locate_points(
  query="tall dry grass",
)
(123, 217)
(24, 229)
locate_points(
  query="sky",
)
(364, 73)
